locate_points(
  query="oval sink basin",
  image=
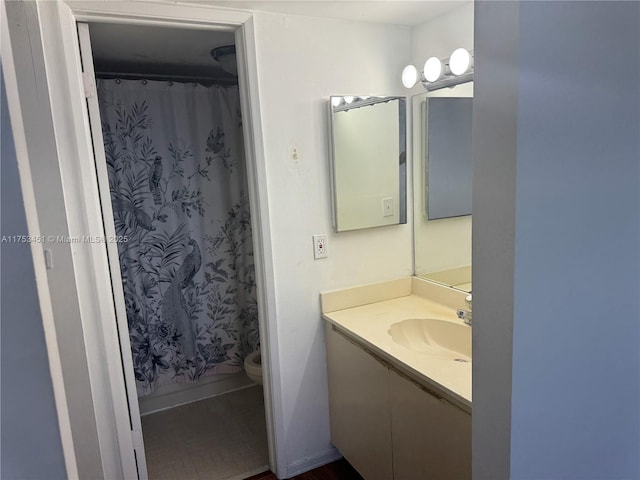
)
(434, 337)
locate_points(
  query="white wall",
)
(441, 35)
(445, 243)
(570, 240)
(302, 61)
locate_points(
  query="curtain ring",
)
(118, 81)
(170, 83)
(144, 82)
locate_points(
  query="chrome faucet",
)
(465, 315)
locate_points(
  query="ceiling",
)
(396, 12)
(126, 48)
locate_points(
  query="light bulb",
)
(459, 61)
(409, 76)
(335, 101)
(348, 99)
(432, 69)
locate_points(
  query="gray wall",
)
(31, 447)
(493, 225)
(494, 173)
(574, 256)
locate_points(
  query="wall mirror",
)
(368, 161)
(441, 126)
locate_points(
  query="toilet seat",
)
(253, 366)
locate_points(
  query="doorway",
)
(101, 440)
(170, 137)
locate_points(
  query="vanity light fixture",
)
(440, 73)
(433, 69)
(460, 61)
(409, 76)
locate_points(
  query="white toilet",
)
(253, 366)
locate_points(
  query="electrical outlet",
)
(387, 207)
(319, 246)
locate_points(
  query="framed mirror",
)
(368, 161)
(442, 185)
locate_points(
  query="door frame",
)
(70, 122)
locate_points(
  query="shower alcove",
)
(172, 132)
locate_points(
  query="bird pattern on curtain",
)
(178, 189)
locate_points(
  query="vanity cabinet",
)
(359, 407)
(388, 426)
(431, 437)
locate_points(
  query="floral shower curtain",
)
(178, 189)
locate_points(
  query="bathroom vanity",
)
(399, 366)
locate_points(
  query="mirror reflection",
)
(442, 185)
(368, 160)
(448, 171)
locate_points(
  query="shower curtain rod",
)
(167, 78)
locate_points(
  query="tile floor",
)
(218, 438)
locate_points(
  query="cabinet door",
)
(431, 437)
(359, 407)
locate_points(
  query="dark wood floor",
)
(340, 470)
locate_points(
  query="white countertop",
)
(368, 325)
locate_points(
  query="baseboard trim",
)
(309, 463)
(171, 396)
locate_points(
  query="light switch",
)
(387, 207)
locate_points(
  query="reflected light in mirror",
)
(348, 99)
(460, 61)
(432, 69)
(335, 101)
(368, 162)
(409, 76)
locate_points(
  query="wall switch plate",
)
(319, 246)
(387, 207)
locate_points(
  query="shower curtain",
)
(178, 190)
